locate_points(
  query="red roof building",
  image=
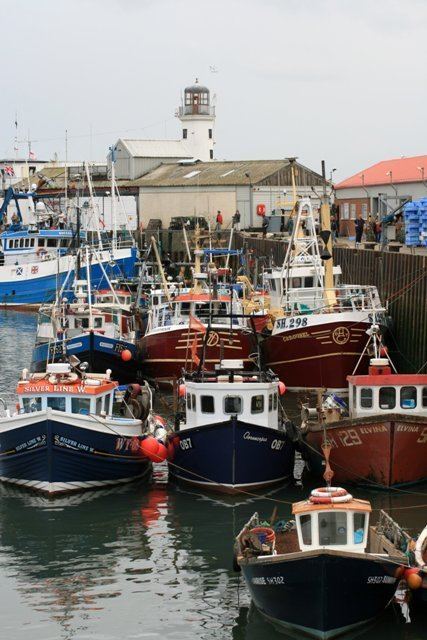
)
(380, 189)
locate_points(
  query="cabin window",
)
(80, 405)
(98, 408)
(32, 241)
(41, 242)
(56, 403)
(332, 528)
(257, 404)
(84, 323)
(189, 401)
(233, 404)
(366, 398)
(107, 407)
(270, 402)
(305, 523)
(194, 401)
(32, 404)
(97, 323)
(296, 283)
(358, 527)
(308, 281)
(27, 242)
(207, 404)
(275, 401)
(424, 396)
(21, 243)
(387, 397)
(64, 242)
(51, 242)
(273, 285)
(408, 397)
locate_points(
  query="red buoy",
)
(126, 355)
(161, 453)
(149, 448)
(282, 388)
(181, 391)
(413, 578)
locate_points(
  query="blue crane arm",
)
(10, 195)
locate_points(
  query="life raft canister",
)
(260, 209)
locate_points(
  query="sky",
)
(339, 80)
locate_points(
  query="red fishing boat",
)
(176, 329)
(319, 332)
(381, 438)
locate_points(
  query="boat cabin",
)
(61, 389)
(27, 245)
(382, 391)
(120, 296)
(245, 396)
(340, 526)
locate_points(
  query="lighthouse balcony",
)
(196, 110)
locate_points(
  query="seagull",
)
(213, 69)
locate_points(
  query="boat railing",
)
(342, 298)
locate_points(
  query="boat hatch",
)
(332, 526)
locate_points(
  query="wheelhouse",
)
(340, 526)
(382, 391)
(61, 390)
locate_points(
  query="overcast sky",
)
(343, 80)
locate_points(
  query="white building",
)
(134, 158)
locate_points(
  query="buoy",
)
(413, 578)
(126, 355)
(161, 453)
(282, 388)
(181, 391)
(149, 447)
(383, 352)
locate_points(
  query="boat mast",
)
(113, 198)
(325, 214)
(92, 204)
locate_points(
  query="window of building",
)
(207, 404)
(211, 154)
(408, 397)
(210, 134)
(184, 133)
(366, 398)
(305, 522)
(364, 210)
(358, 527)
(56, 403)
(332, 528)
(345, 211)
(80, 405)
(257, 404)
(387, 397)
(352, 211)
(233, 405)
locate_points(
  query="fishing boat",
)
(380, 437)
(318, 332)
(230, 433)
(100, 327)
(74, 431)
(165, 348)
(323, 573)
(419, 581)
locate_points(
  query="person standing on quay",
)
(218, 223)
(359, 224)
(377, 230)
(237, 220)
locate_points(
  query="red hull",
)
(388, 450)
(164, 355)
(317, 356)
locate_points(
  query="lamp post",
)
(331, 174)
(248, 176)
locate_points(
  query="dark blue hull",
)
(232, 455)
(323, 594)
(100, 352)
(52, 456)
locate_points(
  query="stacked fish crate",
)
(411, 213)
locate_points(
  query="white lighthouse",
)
(198, 118)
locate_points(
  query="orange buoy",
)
(126, 355)
(149, 447)
(413, 578)
(181, 391)
(282, 388)
(161, 453)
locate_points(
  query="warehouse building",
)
(380, 189)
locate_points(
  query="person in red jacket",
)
(218, 223)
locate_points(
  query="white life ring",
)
(330, 495)
(422, 539)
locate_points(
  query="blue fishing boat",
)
(231, 434)
(36, 259)
(73, 431)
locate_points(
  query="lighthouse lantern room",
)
(198, 118)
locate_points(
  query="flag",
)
(195, 358)
(32, 155)
(9, 171)
(196, 325)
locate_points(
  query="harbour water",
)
(145, 560)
